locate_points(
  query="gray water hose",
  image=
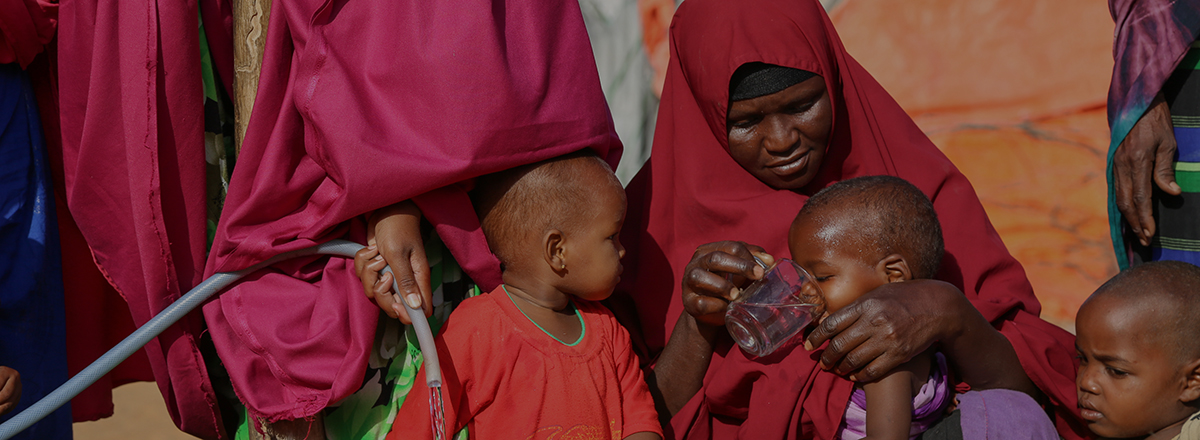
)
(184, 305)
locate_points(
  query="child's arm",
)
(889, 399)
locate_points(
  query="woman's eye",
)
(822, 279)
(745, 123)
(800, 108)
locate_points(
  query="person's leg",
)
(1003, 414)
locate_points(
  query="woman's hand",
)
(706, 288)
(1144, 159)
(888, 326)
(395, 233)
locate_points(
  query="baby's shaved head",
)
(889, 216)
(516, 206)
(1169, 289)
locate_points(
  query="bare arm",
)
(889, 400)
(679, 372)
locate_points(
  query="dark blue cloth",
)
(32, 322)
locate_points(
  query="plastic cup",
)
(773, 310)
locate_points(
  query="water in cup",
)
(772, 311)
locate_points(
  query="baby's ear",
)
(1191, 385)
(554, 249)
(894, 268)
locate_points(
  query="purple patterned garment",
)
(1151, 37)
(928, 405)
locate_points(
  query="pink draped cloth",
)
(132, 113)
(361, 106)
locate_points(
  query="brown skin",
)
(582, 263)
(1143, 160)
(679, 372)
(394, 234)
(889, 399)
(10, 389)
(781, 140)
(1131, 381)
(846, 268)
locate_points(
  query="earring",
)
(563, 266)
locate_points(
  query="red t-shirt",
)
(506, 378)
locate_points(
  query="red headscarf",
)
(692, 192)
(363, 105)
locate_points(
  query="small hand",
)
(887, 327)
(1148, 152)
(394, 239)
(706, 288)
(10, 389)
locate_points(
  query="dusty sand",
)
(139, 414)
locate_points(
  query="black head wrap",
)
(760, 79)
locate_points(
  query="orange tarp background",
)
(1013, 92)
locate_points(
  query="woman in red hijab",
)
(763, 107)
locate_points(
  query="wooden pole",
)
(250, 18)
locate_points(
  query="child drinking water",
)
(857, 235)
(1138, 342)
(538, 357)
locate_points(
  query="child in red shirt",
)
(538, 357)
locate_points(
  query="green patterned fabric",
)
(219, 151)
(395, 360)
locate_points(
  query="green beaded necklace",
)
(582, 328)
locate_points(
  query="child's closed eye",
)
(1115, 372)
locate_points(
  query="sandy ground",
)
(139, 414)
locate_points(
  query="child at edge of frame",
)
(1138, 343)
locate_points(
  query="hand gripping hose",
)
(187, 303)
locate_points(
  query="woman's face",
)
(781, 138)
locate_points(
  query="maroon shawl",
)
(26, 26)
(362, 105)
(692, 192)
(132, 114)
